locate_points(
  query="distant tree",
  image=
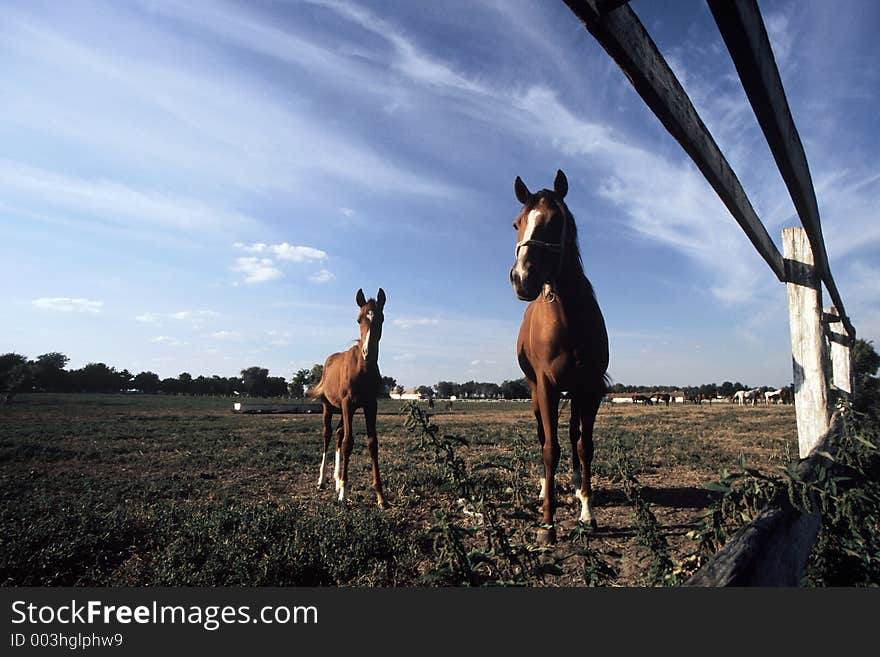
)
(254, 381)
(14, 375)
(185, 383)
(425, 391)
(726, 389)
(48, 372)
(516, 389)
(146, 382)
(296, 390)
(865, 362)
(315, 374)
(445, 389)
(276, 386)
(388, 384)
(489, 390)
(170, 386)
(98, 377)
(399, 389)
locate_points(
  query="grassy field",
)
(160, 490)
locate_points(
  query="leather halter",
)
(552, 247)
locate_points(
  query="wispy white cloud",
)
(225, 335)
(412, 322)
(69, 305)
(256, 270)
(149, 318)
(285, 251)
(107, 201)
(194, 315)
(169, 341)
(322, 276)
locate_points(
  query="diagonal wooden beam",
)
(623, 36)
(745, 35)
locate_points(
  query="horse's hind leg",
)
(325, 436)
(585, 451)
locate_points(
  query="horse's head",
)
(541, 234)
(370, 320)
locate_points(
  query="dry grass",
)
(153, 451)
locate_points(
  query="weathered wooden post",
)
(841, 358)
(805, 324)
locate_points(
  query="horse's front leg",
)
(574, 434)
(373, 449)
(348, 410)
(585, 451)
(548, 404)
(540, 432)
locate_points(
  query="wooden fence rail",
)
(774, 548)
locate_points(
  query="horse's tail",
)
(317, 392)
(606, 383)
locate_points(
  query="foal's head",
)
(370, 320)
(543, 228)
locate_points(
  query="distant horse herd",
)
(562, 349)
(752, 397)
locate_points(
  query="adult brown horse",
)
(562, 343)
(351, 380)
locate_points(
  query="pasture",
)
(164, 490)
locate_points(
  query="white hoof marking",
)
(586, 507)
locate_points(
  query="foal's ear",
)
(560, 184)
(380, 298)
(360, 299)
(522, 192)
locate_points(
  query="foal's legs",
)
(373, 449)
(348, 410)
(337, 469)
(585, 452)
(328, 422)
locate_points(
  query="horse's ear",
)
(380, 298)
(560, 184)
(522, 192)
(360, 299)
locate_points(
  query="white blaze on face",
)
(531, 224)
(365, 348)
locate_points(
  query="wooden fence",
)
(803, 266)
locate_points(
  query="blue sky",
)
(203, 187)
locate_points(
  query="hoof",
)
(546, 536)
(383, 504)
(593, 523)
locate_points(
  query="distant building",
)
(407, 395)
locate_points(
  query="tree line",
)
(48, 373)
